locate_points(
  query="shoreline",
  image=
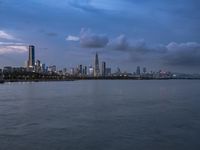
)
(89, 78)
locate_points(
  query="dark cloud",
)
(120, 43)
(173, 54)
(155, 20)
(91, 40)
(184, 54)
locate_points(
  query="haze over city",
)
(156, 34)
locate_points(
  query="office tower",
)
(85, 70)
(96, 66)
(64, 70)
(37, 63)
(43, 68)
(80, 69)
(138, 70)
(91, 71)
(52, 68)
(37, 66)
(108, 72)
(31, 57)
(118, 70)
(103, 68)
(1, 74)
(144, 70)
(72, 71)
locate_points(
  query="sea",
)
(100, 115)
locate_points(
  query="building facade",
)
(31, 57)
(103, 69)
(96, 66)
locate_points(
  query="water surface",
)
(100, 115)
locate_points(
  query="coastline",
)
(90, 78)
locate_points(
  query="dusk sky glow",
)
(157, 34)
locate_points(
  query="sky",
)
(156, 34)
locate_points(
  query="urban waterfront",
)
(37, 71)
(100, 115)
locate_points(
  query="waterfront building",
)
(91, 71)
(80, 69)
(138, 70)
(85, 70)
(144, 70)
(31, 57)
(52, 68)
(96, 66)
(7, 69)
(72, 71)
(65, 70)
(37, 66)
(103, 68)
(108, 72)
(43, 69)
(1, 75)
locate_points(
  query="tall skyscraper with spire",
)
(31, 56)
(96, 66)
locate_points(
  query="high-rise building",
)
(108, 72)
(91, 71)
(96, 66)
(144, 70)
(85, 70)
(37, 66)
(52, 68)
(37, 63)
(31, 57)
(80, 69)
(43, 68)
(72, 71)
(1, 74)
(138, 70)
(103, 68)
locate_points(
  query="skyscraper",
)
(91, 71)
(85, 70)
(138, 70)
(96, 66)
(37, 66)
(144, 70)
(80, 69)
(31, 57)
(103, 69)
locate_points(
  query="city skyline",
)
(122, 32)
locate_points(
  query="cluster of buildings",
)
(33, 65)
(36, 66)
(92, 71)
(99, 69)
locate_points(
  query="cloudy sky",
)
(157, 34)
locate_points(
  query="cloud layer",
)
(183, 54)
(4, 35)
(172, 54)
(89, 39)
(10, 49)
(125, 31)
(7, 46)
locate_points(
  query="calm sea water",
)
(100, 115)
